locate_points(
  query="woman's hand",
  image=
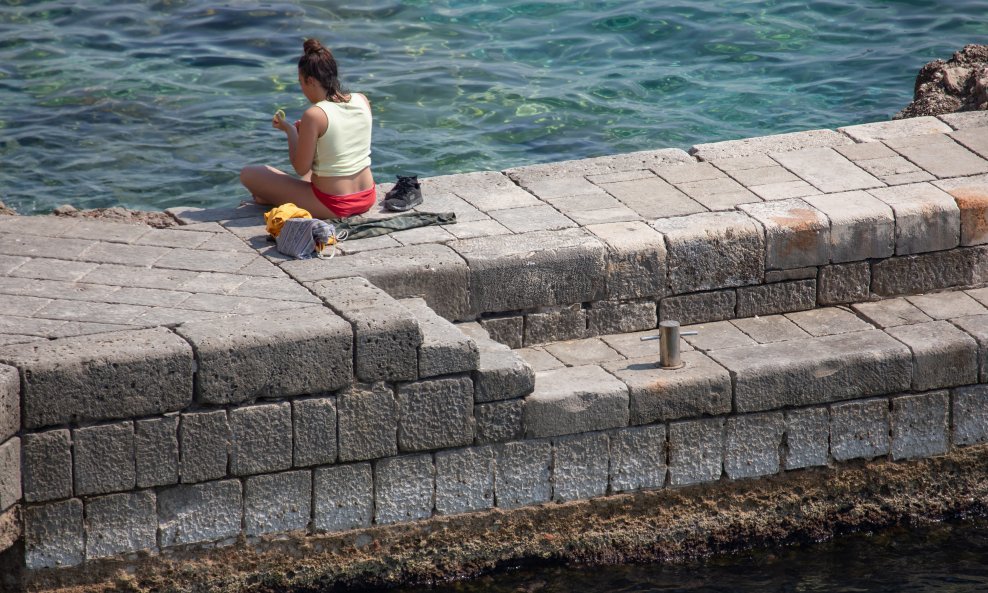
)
(278, 121)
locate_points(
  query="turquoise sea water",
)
(158, 103)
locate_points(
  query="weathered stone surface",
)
(502, 373)
(948, 305)
(769, 329)
(861, 226)
(580, 466)
(47, 468)
(703, 307)
(121, 524)
(555, 323)
(632, 346)
(53, 535)
(103, 376)
(965, 119)
(189, 215)
(10, 402)
(970, 414)
(807, 438)
(712, 250)
(939, 154)
(632, 161)
(368, 422)
(828, 321)
(859, 429)
(522, 474)
(386, 334)
(261, 439)
(752, 445)
(614, 317)
(920, 425)
(573, 400)
(445, 350)
(636, 259)
(976, 326)
(276, 503)
(156, 451)
(891, 313)
(537, 269)
(432, 272)
(314, 420)
(749, 147)
(844, 283)
(882, 130)
(582, 352)
(204, 441)
(817, 370)
(652, 198)
(344, 497)
(699, 388)
(916, 274)
(508, 330)
(499, 422)
(485, 190)
(196, 513)
(828, 170)
(796, 234)
(276, 354)
(10, 473)
(104, 458)
(780, 297)
(532, 218)
(464, 480)
(435, 414)
(696, 451)
(404, 489)
(926, 218)
(971, 196)
(943, 356)
(638, 458)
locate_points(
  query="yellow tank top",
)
(346, 146)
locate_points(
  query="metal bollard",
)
(669, 344)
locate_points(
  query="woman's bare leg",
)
(273, 187)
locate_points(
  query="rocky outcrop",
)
(155, 219)
(959, 84)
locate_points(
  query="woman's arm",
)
(302, 141)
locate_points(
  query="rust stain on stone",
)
(802, 223)
(973, 204)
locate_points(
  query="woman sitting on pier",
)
(329, 147)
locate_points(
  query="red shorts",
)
(348, 205)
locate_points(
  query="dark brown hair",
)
(318, 62)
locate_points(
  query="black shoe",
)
(405, 195)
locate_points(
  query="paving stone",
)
(498, 422)
(612, 317)
(344, 497)
(638, 458)
(7, 339)
(104, 458)
(282, 288)
(501, 374)
(198, 513)
(368, 422)
(91, 312)
(47, 465)
(778, 297)
(204, 440)
(708, 187)
(574, 400)
(134, 373)
(696, 451)
(703, 307)
(464, 480)
(826, 169)
(970, 415)
(555, 323)
(894, 170)
(166, 316)
(828, 321)
(277, 503)
(477, 228)
(917, 274)
(10, 402)
(752, 445)
(485, 190)
(770, 329)
(205, 261)
(131, 255)
(716, 335)
(211, 282)
(713, 250)
(844, 283)
(583, 352)
(151, 297)
(818, 370)
(976, 326)
(785, 190)
(859, 429)
(653, 198)
(404, 489)
(276, 354)
(807, 441)
(727, 200)
(261, 438)
(920, 425)
(636, 259)
(355, 246)
(973, 140)
(632, 346)
(940, 155)
(743, 163)
(386, 335)
(117, 275)
(156, 451)
(9, 263)
(589, 202)
(747, 147)
(532, 218)
(861, 226)
(538, 269)
(522, 473)
(175, 237)
(796, 234)
(769, 174)
(53, 535)
(450, 202)
(509, 330)
(943, 356)
(926, 218)
(698, 388)
(28, 287)
(44, 226)
(314, 421)
(630, 175)
(53, 269)
(883, 130)
(539, 359)
(971, 197)
(965, 119)
(10, 473)
(31, 246)
(580, 466)
(190, 215)
(435, 414)
(619, 163)
(687, 172)
(121, 524)
(947, 305)
(891, 313)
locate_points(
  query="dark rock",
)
(958, 84)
